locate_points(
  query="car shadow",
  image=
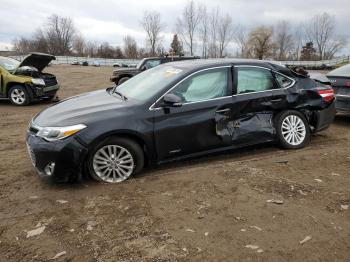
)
(342, 119)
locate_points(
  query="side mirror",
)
(172, 100)
(143, 68)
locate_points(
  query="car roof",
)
(204, 63)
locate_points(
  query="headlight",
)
(56, 133)
(38, 81)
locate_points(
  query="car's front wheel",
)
(293, 130)
(115, 160)
(19, 96)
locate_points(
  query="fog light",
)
(49, 169)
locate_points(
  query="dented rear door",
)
(253, 111)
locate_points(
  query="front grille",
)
(50, 82)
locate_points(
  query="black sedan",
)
(340, 79)
(175, 111)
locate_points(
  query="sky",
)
(111, 20)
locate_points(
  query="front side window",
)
(203, 86)
(251, 79)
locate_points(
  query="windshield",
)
(147, 84)
(9, 63)
(341, 71)
(140, 64)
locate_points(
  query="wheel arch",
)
(12, 84)
(134, 136)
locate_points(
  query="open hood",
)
(37, 60)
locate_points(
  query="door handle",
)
(223, 110)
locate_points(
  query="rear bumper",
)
(342, 103)
(325, 117)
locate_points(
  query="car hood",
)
(37, 60)
(125, 70)
(82, 109)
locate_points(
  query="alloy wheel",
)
(113, 163)
(293, 130)
(18, 96)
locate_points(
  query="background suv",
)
(120, 75)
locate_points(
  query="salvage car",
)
(121, 75)
(24, 82)
(175, 111)
(340, 79)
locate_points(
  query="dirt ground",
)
(209, 209)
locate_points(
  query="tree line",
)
(209, 33)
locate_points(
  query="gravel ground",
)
(254, 204)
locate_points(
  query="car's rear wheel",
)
(115, 160)
(19, 96)
(293, 130)
(123, 79)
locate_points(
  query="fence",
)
(110, 62)
(318, 64)
(101, 61)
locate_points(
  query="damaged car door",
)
(253, 105)
(190, 125)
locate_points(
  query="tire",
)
(19, 96)
(123, 79)
(103, 168)
(293, 130)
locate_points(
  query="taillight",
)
(348, 84)
(326, 94)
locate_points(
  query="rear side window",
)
(252, 79)
(203, 86)
(283, 81)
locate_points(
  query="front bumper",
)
(67, 155)
(342, 103)
(45, 91)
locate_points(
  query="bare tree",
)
(283, 40)
(91, 49)
(130, 47)
(260, 44)
(152, 25)
(60, 32)
(241, 39)
(300, 39)
(321, 29)
(79, 45)
(225, 33)
(204, 29)
(187, 24)
(213, 33)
